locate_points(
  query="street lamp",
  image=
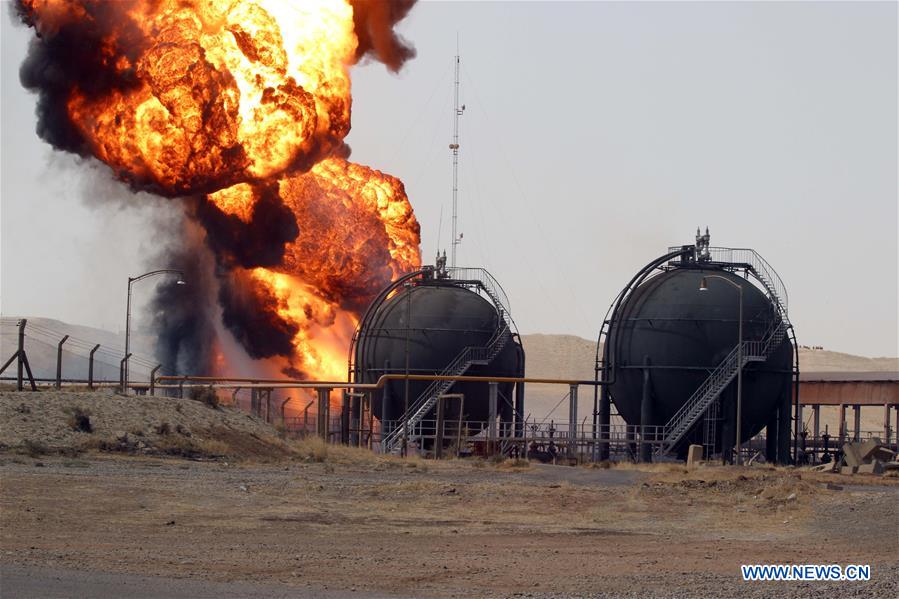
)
(704, 286)
(132, 280)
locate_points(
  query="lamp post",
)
(704, 286)
(131, 281)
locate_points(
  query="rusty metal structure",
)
(841, 391)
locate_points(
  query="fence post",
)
(59, 362)
(21, 355)
(90, 367)
(122, 374)
(153, 378)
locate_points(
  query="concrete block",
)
(873, 467)
(851, 454)
(694, 455)
(882, 453)
(866, 447)
(848, 469)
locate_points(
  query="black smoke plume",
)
(257, 243)
(185, 315)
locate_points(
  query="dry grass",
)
(513, 464)
(650, 468)
(314, 449)
(193, 448)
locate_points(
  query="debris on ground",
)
(871, 456)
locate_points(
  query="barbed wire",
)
(112, 352)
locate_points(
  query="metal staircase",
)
(468, 357)
(709, 391)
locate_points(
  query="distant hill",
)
(572, 357)
(43, 334)
(548, 356)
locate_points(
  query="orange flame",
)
(218, 91)
(225, 97)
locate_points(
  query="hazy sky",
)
(595, 136)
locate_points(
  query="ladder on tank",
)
(468, 357)
(710, 390)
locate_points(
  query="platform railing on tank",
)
(489, 284)
(761, 269)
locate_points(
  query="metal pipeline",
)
(227, 382)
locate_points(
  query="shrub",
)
(206, 395)
(79, 419)
(163, 429)
(34, 448)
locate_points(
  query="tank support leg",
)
(605, 431)
(386, 398)
(784, 425)
(491, 423)
(324, 404)
(519, 410)
(728, 426)
(771, 433)
(345, 418)
(645, 413)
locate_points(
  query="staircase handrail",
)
(687, 415)
(460, 364)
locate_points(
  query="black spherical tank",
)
(429, 321)
(682, 333)
(675, 327)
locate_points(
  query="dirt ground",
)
(305, 519)
(384, 527)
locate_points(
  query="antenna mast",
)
(457, 112)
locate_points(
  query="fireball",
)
(242, 106)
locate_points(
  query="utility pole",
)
(457, 112)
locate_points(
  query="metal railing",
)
(485, 281)
(759, 267)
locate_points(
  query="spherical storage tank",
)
(667, 335)
(430, 319)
